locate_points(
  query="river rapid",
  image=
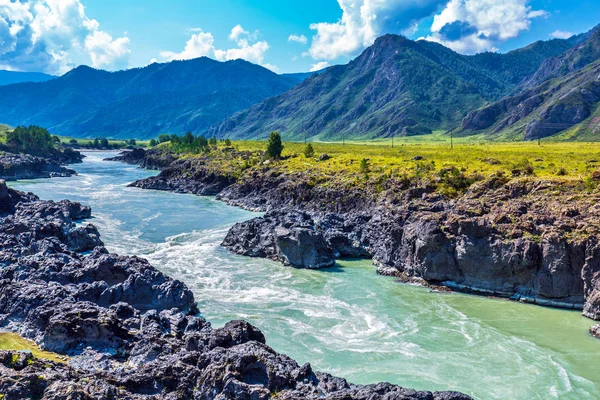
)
(346, 320)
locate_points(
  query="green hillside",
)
(395, 87)
(561, 100)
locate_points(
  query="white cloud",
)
(319, 66)
(202, 44)
(106, 52)
(470, 26)
(54, 36)
(298, 39)
(238, 32)
(199, 45)
(363, 21)
(558, 34)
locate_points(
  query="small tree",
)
(188, 138)
(73, 142)
(309, 151)
(364, 167)
(164, 138)
(227, 142)
(274, 146)
(132, 142)
(213, 141)
(104, 143)
(153, 142)
(96, 143)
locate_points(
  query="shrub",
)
(562, 171)
(590, 184)
(364, 166)
(153, 142)
(309, 151)
(164, 138)
(274, 146)
(227, 142)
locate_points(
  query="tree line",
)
(32, 139)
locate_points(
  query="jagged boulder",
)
(303, 248)
(289, 237)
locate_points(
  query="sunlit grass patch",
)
(12, 341)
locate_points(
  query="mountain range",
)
(395, 87)
(562, 97)
(12, 77)
(179, 96)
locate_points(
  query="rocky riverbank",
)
(145, 159)
(130, 331)
(24, 166)
(529, 239)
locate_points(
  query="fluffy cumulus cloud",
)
(54, 36)
(199, 45)
(470, 26)
(202, 44)
(363, 21)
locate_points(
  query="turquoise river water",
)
(347, 321)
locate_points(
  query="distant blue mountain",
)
(175, 97)
(12, 77)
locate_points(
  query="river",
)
(347, 320)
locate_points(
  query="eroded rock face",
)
(595, 331)
(148, 159)
(502, 239)
(291, 238)
(24, 166)
(131, 331)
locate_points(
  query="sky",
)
(54, 36)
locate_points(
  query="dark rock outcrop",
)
(147, 159)
(131, 331)
(24, 166)
(188, 176)
(287, 237)
(595, 331)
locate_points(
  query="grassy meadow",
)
(450, 170)
(550, 159)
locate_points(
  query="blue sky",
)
(56, 35)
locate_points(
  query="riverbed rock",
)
(24, 166)
(595, 331)
(303, 248)
(289, 237)
(147, 159)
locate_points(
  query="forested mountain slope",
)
(175, 97)
(397, 86)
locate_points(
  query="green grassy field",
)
(449, 170)
(575, 160)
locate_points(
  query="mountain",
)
(176, 97)
(396, 86)
(12, 77)
(562, 96)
